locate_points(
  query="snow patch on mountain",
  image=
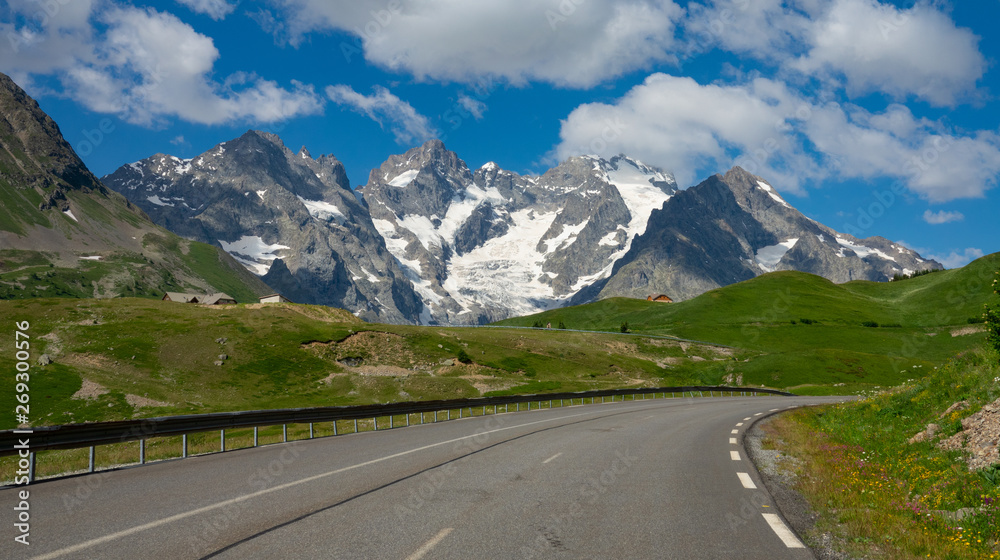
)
(158, 201)
(863, 251)
(404, 178)
(565, 238)
(321, 209)
(252, 252)
(770, 191)
(768, 257)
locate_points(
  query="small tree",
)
(624, 327)
(562, 325)
(992, 317)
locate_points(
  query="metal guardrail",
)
(74, 436)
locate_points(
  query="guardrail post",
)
(461, 413)
(449, 414)
(284, 433)
(90, 467)
(355, 425)
(310, 430)
(407, 420)
(184, 446)
(375, 422)
(222, 440)
(142, 452)
(31, 467)
(334, 427)
(391, 423)
(255, 437)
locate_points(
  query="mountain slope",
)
(487, 244)
(63, 233)
(734, 227)
(291, 219)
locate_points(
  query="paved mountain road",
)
(645, 479)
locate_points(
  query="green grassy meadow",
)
(803, 333)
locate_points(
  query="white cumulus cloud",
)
(569, 43)
(863, 46)
(406, 124)
(145, 66)
(942, 217)
(215, 9)
(877, 47)
(776, 132)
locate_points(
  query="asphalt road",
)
(664, 478)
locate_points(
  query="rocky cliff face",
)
(487, 244)
(62, 233)
(733, 227)
(291, 219)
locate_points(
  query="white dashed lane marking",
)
(734, 455)
(732, 441)
(422, 551)
(735, 432)
(784, 533)
(738, 424)
(551, 458)
(747, 482)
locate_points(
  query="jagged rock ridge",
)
(291, 219)
(734, 227)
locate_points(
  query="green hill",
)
(127, 357)
(805, 330)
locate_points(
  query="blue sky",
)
(875, 118)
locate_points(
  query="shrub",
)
(870, 324)
(537, 325)
(562, 325)
(991, 317)
(624, 327)
(463, 356)
(807, 321)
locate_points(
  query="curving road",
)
(665, 478)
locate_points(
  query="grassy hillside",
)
(881, 495)
(803, 330)
(135, 357)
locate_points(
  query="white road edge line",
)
(551, 458)
(784, 533)
(758, 414)
(747, 482)
(422, 551)
(152, 524)
(732, 441)
(734, 455)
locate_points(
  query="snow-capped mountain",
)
(488, 244)
(291, 219)
(736, 226)
(429, 240)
